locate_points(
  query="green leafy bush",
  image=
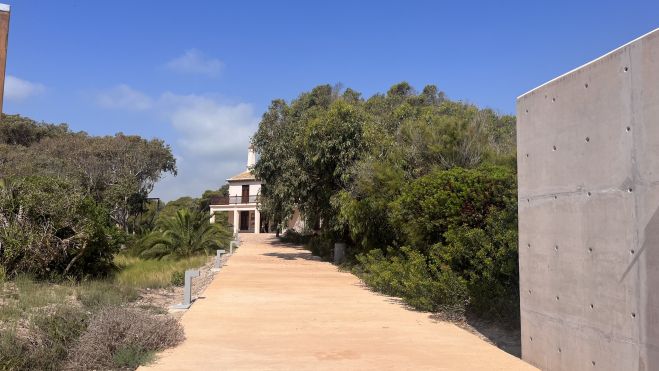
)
(409, 276)
(464, 221)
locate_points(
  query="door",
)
(244, 220)
(245, 195)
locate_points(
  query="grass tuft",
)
(151, 273)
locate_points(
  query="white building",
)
(241, 205)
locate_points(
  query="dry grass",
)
(150, 273)
(123, 337)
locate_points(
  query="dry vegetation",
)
(95, 324)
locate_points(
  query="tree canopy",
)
(422, 188)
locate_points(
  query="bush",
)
(59, 330)
(132, 356)
(46, 346)
(409, 276)
(51, 229)
(464, 223)
(117, 336)
(321, 245)
(178, 278)
(295, 237)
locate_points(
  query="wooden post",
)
(4, 38)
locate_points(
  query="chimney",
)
(4, 34)
(251, 157)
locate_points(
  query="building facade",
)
(241, 206)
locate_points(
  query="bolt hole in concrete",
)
(593, 362)
(553, 99)
(556, 247)
(626, 69)
(633, 315)
(555, 197)
(628, 129)
(629, 190)
(587, 139)
(529, 291)
(589, 194)
(590, 249)
(554, 148)
(527, 155)
(586, 85)
(559, 350)
(557, 298)
(631, 252)
(528, 245)
(592, 306)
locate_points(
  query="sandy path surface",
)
(272, 307)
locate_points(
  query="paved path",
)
(274, 308)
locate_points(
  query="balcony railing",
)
(234, 200)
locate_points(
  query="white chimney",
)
(251, 156)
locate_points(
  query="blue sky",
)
(199, 74)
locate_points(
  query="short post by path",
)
(4, 37)
(231, 246)
(187, 289)
(218, 261)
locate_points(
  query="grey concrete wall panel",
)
(588, 172)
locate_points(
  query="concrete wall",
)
(588, 164)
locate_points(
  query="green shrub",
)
(464, 223)
(178, 278)
(131, 356)
(46, 346)
(321, 245)
(52, 229)
(295, 237)
(409, 276)
(59, 329)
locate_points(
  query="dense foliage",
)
(185, 234)
(69, 200)
(421, 188)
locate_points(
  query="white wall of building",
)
(236, 188)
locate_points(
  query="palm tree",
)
(184, 234)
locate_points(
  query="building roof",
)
(245, 175)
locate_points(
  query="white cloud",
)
(213, 137)
(195, 62)
(124, 97)
(17, 89)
